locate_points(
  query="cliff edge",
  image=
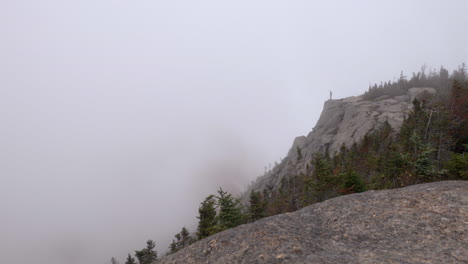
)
(424, 223)
(342, 122)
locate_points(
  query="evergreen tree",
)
(173, 247)
(424, 169)
(279, 200)
(114, 261)
(322, 183)
(258, 206)
(130, 260)
(185, 237)
(457, 167)
(206, 217)
(230, 211)
(459, 114)
(353, 183)
(147, 255)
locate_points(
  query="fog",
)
(118, 117)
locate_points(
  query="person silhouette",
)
(331, 95)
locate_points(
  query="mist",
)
(117, 118)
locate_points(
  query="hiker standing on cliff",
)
(331, 95)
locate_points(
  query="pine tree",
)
(258, 206)
(206, 217)
(279, 200)
(130, 260)
(147, 255)
(230, 211)
(459, 113)
(424, 169)
(173, 247)
(353, 183)
(321, 184)
(185, 237)
(457, 167)
(114, 261)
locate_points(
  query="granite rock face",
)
(425, 223)
(342, 122)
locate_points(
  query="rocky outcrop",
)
(342, 122)
(347, 120)
(425, 223)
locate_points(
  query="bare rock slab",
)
(426, 223)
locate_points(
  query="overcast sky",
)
(118, 117)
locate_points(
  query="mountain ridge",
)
(342, 122)
(397, 134)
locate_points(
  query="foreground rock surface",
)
(425, 223)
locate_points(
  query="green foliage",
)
(279, 201)
(130, 260)
(321, 184)
(457, 166)
(230, 210)
(207, 217)
(147, 255)
(438, 80)
(423, 166)
(183, 239)
(173, 247)
(459, 114)
(352, 183)
(218, 213)
(258, 206)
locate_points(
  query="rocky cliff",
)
(342, 122)
(424, 223)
